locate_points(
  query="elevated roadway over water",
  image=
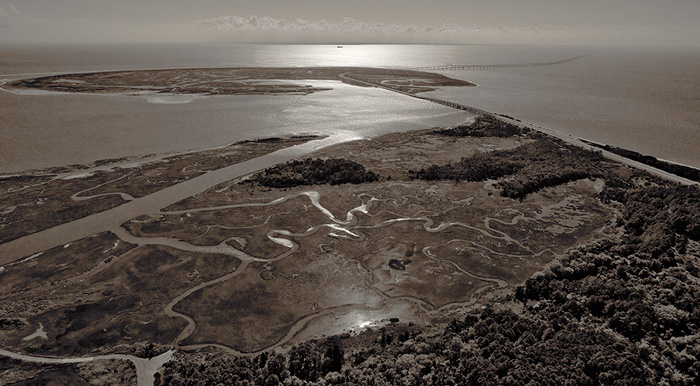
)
(453, 105)
(460, 67)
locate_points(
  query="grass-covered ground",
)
(529, 276)
(617, 310)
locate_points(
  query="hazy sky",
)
(652, 22)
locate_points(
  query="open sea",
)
(643, 99)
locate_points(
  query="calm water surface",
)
(640, 98)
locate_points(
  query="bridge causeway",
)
(460, 67)
(453, 105)
(453, 67)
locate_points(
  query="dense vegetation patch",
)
(658, 218)
(621, 310)
(531, 167)
(314, 172)
(618, 311)
(484, 126)
(679, 170)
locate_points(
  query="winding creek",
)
(342, 228)
(112, 218)
(346, 227)
(146, 368)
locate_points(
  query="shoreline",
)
(232, 80)
(676, 163)
(182, 98)
(114, 217)
(581, 142)
(72, 171)
(568, 138)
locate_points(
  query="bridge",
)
(453, 105)
(460, 67)
(453, 67)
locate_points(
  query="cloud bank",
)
(21, 27)
(266, 29)
(348, 25)
(10, 16)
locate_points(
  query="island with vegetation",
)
(235, 81)
(485, 253)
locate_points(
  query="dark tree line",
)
(531, 167)
(484, 126)
(479, 167)
(618, 311)
(622, 310)
(679, 170)
(314, 172)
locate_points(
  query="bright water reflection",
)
(642, 98)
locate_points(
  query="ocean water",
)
(647, 100)
(644, 99)
(47, 130)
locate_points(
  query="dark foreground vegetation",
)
(679, 170)
(530, 167)
(313, 172)
(619, 311)
(484, 126)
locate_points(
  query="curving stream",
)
(112, 218)
(346, 228)
(146, 368)
(341, 227)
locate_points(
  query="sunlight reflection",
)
(350, 55)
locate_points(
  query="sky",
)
(598, 22)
